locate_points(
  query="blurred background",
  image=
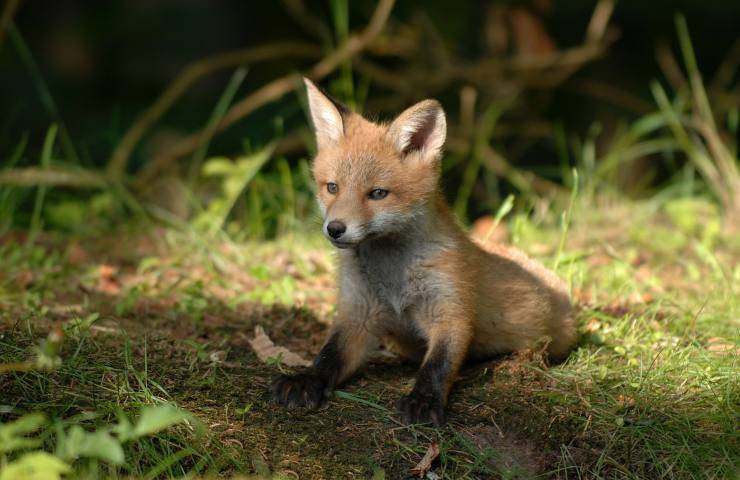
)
(157, 206)
(190, 110)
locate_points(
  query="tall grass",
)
(277, 198)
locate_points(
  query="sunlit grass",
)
(651, 392)
(111, 304)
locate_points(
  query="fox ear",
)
(421, 128)
(326, 114)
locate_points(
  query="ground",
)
(151, 315)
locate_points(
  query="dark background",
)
(105, 62)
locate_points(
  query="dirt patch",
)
(163, 330)
(514, 457)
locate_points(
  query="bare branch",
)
(599, 21)
(55, 176)
(310, 23)
(11, 7)
(191, 74)
(276, 89)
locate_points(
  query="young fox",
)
(408, 275)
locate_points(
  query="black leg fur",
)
(310, 388)
(426, 402)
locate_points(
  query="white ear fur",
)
(327, 119)
(421, 128)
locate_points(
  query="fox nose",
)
(335, 229)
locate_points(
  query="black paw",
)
(421, 408)
(301, 390)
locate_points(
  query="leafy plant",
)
(234, 178)
(106, 443)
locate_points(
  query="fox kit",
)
(408, 275)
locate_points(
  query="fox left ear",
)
(421, 128)
(327, 115)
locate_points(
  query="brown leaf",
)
(624, 401)
(486, 232)
(107, 282)
(76, 255)
(425, 464)
(530, 36)
(720, 346)
(24, 279)
(593, 325)
(265, 349)
(107, 271)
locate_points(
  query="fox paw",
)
(301, 390)
(421, 408)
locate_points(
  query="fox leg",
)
(447, 346)
(343, 353)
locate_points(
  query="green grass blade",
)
(689, 58)
(46, 153)
(47, 100)
(218, 113)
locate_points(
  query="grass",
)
(163, 319)
(124, 345)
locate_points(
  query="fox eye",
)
(331, 187)
(377, 194)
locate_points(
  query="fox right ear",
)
(420, 129)
(326, 115)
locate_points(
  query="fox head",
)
(373, 179)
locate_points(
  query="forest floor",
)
(153, 316)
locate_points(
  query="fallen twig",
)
(425, 464)
(56, 176)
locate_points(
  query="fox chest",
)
(396, 279)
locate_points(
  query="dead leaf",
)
(529, 32)
(265, 349)
(24, 279)
(425, 464)
(624, 401)
(486, 231)
(107, 271)
(593, 325)
(76, 255)
(720, 346)
(107, 282)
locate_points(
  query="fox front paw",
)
(301, 390)
(421, 408)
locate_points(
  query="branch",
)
(16, 367)
(276, 89)
(11, 6)
(726, 70)
(191, 74)
(310, 23)
(524, 181)
(55, 176)
(599, 21)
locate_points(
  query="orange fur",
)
(495, 301)
(409, 275)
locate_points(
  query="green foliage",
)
(75, 444)
(234, 178)
(695, 217)
(280, 291)
(651, 392)
(35, 466)
(13, 434)
(151, 420)
(218, 112)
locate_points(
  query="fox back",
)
(409, 276)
